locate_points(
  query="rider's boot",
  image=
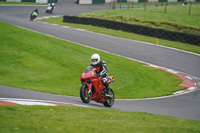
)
(108, 91)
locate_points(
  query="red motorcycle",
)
(93, 89)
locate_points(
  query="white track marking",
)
(37, 102)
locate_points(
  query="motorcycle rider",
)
(34, 13)
(36, 10)
(96, 62)
(50, 8)
(52, 5)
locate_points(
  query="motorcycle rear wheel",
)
(84, 95)
(109, 101)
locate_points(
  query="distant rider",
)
(34, 13)
(52, 5)
(96, 62)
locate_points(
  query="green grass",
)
(175, 19)
(37, 62)
(42, 119)
(178, 45)
(21, 3)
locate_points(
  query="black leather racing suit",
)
(102, 72)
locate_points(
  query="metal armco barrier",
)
(138, 29)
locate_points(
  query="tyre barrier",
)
(137, 29)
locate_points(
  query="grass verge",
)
(175, 18)
(178, 45)
(38, 62)
(23, 119)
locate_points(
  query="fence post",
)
(156, 4)
(128, 3)
(113, 4)
(145, 5)
(166, 7)
(132, 4)
(190, 8)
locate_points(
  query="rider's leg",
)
(105, 83)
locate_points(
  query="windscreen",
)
(89, 68)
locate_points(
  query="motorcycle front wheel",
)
(32, 18)
(109, 100)
(84, 95)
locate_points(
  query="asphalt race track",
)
(183, 106)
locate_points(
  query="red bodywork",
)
(91, 80)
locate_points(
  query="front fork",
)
(89, 86)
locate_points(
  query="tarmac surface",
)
(185, 105)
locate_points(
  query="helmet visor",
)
(94, 60)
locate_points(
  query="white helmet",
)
(95, 59)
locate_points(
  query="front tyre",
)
(31, 18)
(109, 100)
(85, 96)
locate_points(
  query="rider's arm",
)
(105, 70)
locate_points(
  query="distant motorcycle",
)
(50, 8)
(34, 15)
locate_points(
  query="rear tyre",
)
(85, 96)
(109, 100)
